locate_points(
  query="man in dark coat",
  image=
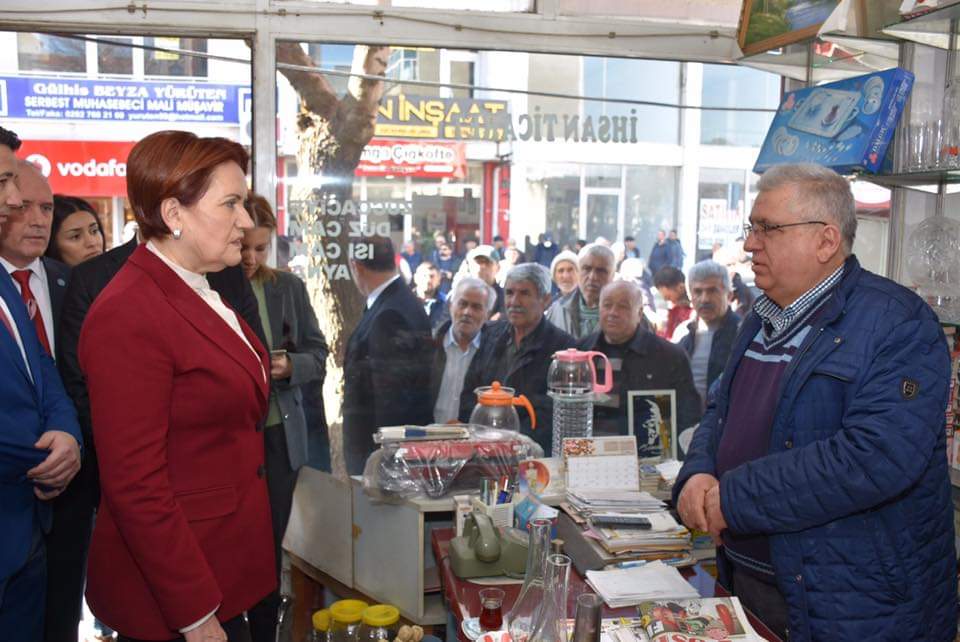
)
(519, 350)
(640, 361)
(387, 364)
(456, 343)
(660, 254)
(74, 510)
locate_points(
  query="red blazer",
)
(176, 398)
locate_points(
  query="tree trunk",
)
(333, 134)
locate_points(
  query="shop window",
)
(602, 175)
(732, 86)
(115, 59)
(170, 61)
(651, 203)
(554, 189)
(722, 210)
(461, 73)
(44, 52)
(335, 57)
(653, 80)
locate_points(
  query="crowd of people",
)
(157, 399)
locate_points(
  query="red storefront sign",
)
(81, 168)
(425, 159)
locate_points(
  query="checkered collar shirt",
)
(777, 320)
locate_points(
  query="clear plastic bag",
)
(405, 468)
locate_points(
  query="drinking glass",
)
(491, 612)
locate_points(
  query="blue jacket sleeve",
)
(883, 446)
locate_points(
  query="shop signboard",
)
(80, 99)
(408, 116)
(719, 223)
(81, 168)
(422, 159)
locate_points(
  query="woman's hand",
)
(280, 367)
(207, 632)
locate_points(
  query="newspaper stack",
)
(649, 478)
(588, 502)
(630, 586)
(664, 539)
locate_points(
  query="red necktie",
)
(33, 309)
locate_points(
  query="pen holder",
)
(500, 514)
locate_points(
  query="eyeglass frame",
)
(761, 229)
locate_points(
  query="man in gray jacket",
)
(578, 313)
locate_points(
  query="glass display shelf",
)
(927, 181)
(932, 29)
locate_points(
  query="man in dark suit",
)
(39, 440)
(70, 538)
(518, 351)
(456, 343)
(40, 280)
(387, 364)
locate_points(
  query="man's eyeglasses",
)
(762, 229)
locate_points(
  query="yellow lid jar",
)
(380, 622)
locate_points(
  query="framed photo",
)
(768, 24)
(652, 418)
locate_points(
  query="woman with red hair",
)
(178, 387)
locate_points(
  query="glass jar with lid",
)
(380, 622)
(345, 617)
(321, 626)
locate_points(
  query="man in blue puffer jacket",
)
(820, 463)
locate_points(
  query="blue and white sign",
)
(119, 100)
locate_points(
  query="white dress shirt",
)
(454, 372)
(38, 285)
(4, 310)
(372, 297)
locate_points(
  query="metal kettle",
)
(495, 408)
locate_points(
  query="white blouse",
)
(198, 283)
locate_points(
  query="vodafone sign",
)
(426, 159)
(81, 168)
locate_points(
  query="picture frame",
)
(769, 24)
(649, 408)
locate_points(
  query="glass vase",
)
(523, 616)
(551, 624)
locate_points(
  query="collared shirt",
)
(777, 320)
(16, 333)
(454, 372)
(198, 283)
(700, 359)
(38, 285)
(372, 297)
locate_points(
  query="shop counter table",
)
(463, 599)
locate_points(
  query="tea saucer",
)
(471, 627)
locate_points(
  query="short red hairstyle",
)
(174, 164)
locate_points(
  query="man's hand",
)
(206, 632)
(63, 462)
(280, 367)
(692, 499)
(715, 520)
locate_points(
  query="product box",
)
(845, 125)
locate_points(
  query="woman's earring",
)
(177, 234)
